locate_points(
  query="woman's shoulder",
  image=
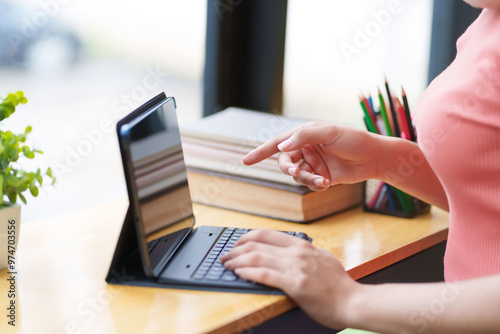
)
(485, 28)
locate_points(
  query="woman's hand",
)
(312, 277)
(318, 283)
(318, 154)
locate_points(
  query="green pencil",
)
(403, 201)
(368, 119)
(409, 203)
(383, 112)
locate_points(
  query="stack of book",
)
(213, 148)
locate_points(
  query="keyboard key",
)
(216, 270)
(200, 273)
(229, 276)
(199, 276)
(213, 276)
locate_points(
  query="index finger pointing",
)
(307, 134)
(266, 150)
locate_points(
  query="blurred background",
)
(85, 64)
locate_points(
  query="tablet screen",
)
(156, 178)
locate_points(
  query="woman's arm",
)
(461, 307)
(318, 283)
(403, 165)
(319, 155)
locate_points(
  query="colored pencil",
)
(375, 196)
(398, 123)
(409, 203)
(383, 112)
(381, 126)
(381, 197)
(403, 201)
(369, 107)
(370, 101)
(396, 201)
(368, 119)
(389, 198)
(403, 122)
(397, 132)
(413, 137)
(371, 112)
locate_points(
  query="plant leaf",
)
(12, 98)
(22, 198)
(33, 190)
(28, 153)
(39, 177)
(12, 196)
(7, 109)
(21, 97)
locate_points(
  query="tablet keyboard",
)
(211, 269)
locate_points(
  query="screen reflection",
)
(160, 174)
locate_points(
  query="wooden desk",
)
(62, 262)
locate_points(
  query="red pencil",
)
(375, 196)
(403, 122)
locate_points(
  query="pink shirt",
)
(458, 126)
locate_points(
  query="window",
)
(336, 50)
(85, 64)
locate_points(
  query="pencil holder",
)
(380, 197)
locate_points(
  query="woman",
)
(457, 168)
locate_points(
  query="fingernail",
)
(321, 182)
(227, 264)
(285, 145)
(292, 171)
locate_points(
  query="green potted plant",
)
(14, 180)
